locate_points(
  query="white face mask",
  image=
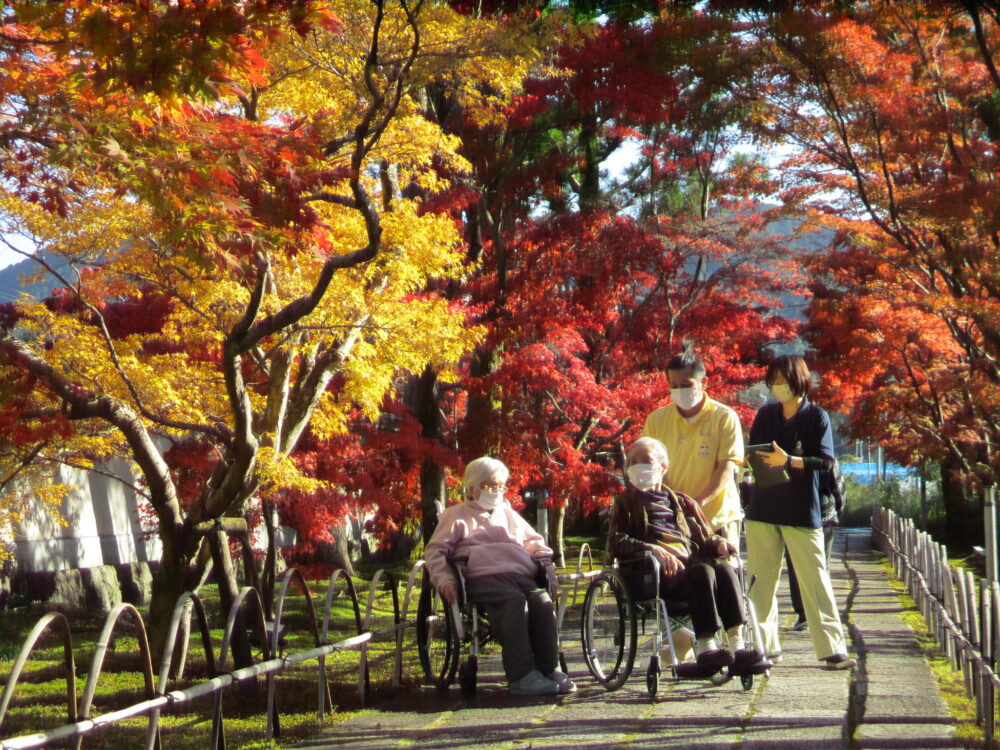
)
(686, 398)
(782, 393)
(489, 500)
(644, 476)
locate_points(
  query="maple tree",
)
(323, 254)
(893, 109)
(259, 272)
(582, 307)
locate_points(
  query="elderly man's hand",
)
(669, 563)
(449, 592)
(724, 548)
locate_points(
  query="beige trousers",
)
(766, 544)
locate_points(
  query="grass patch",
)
(40, 697)
(39, 701)
(950, 682)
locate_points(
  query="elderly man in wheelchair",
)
(656, 529)
(500, 555)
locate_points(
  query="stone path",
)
(891, 701)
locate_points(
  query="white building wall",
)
(103, 525)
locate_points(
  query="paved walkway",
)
(891, 701)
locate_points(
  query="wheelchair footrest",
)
(689, 670)
(761, 666)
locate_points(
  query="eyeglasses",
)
(493, 486)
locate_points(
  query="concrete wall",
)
(104, 526)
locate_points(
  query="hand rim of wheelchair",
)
(439, 676)
(624, 657)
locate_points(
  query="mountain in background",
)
(11, 277)
(792, 304)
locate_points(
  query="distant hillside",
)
(11, 277)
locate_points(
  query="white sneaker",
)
(839, 661)
(560, 678)
(533, 683)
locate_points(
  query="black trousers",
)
(713, 595)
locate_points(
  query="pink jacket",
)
(491, 542)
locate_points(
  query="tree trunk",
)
(340, 550)
(270, 571)
(922, 476)
(169, 582)
(961, 527)
(476, 436)
(428, 412)
(557, 521)
(225, 577)
(590, 178)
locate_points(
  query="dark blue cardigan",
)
(807, 434)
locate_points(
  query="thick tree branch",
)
(88, 405)
(210, 431)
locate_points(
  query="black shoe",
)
(800, 623)
(710, 662)
(689, 670)
(747, 656)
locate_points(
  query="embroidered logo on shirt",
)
(703, 448)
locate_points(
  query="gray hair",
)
(656, 449)
(483, 470)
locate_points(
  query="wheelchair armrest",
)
(646, 558)
(546, 576)
(459, 565)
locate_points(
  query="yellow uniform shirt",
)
(696, 449)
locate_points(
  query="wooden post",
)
(990, 532)
(953, 610)
(973, 593)
(995, 605)
(988, 708)
(986, 622)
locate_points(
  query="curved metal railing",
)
(157, 698)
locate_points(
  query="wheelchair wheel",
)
(608, 630)
(468, 673)
(437, 639)
(653, 675)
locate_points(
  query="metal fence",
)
(157, 698)
(249, 605)
(962, 614)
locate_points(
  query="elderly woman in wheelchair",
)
(664, 545)
(500, 554)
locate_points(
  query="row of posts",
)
(962, 615)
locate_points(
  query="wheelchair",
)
(625, 598)
(446, 633)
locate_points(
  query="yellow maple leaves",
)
(158, 282)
